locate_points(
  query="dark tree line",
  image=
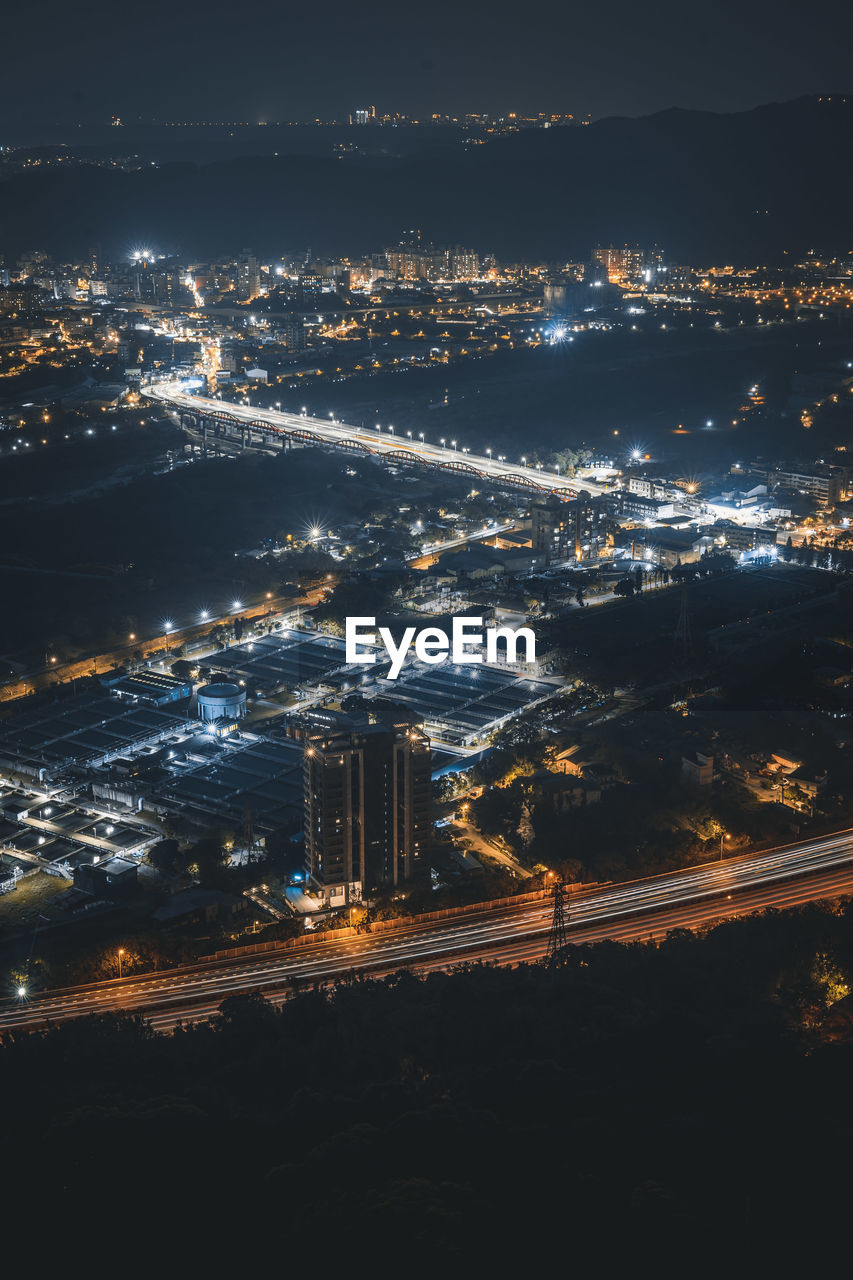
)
(641, 1102)
(834, 554)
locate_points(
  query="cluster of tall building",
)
(509, 122)
(367, 804)
(153, 277)
(570, 530)
(415, 259)
(630, 264)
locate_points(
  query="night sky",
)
(284, 61)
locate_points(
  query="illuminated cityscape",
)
(427, 659)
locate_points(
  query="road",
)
(481, 845)
(395, 447)
(118, 655)
(642, 909)
(432, 552)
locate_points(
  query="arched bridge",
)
(251, 422)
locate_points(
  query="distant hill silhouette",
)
(741, 187)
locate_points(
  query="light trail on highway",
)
(507, 935)
(394, 447)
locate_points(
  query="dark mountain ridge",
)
(744, 187)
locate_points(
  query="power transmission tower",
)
(557, 940)
(683, 641)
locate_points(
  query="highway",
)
(396, 448)
(151, 645)
(511, 934)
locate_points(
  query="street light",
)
(724, 835)
(120, 954)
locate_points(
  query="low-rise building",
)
(697, 770)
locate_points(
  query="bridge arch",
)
(407, 458)
(358, 445)
(307, 437)
(520, 482)
(464, 467)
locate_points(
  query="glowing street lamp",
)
(120, 958)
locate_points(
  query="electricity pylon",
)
(557, 940)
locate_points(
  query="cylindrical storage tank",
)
(221, 701)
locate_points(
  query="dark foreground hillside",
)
(688, 1103)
